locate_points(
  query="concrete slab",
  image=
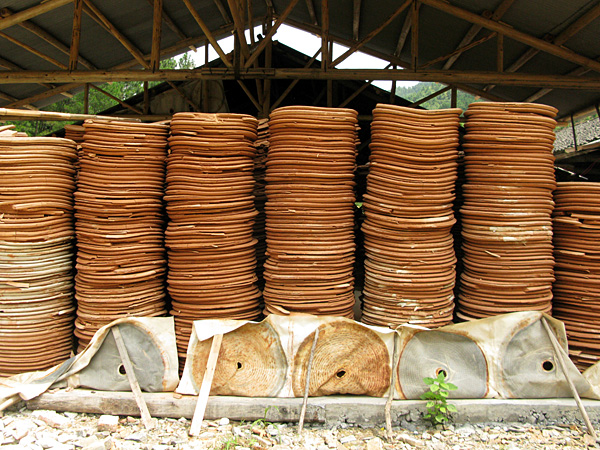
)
(365, 411)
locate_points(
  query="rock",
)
(18, 430)
(108, 423)
(466, 430)
(272, 430)
(47, 442)
(375, 444)
(224, 421)
(347, 439)
(407, 439)
(138, 436)
(51, 418)
(104, 444)
(330, 440)
(207, 435)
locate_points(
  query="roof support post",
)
(324, 34)
(86, 98)
(414, 37)
(156, 35)
(76, 34)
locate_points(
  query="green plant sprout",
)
(438, 409)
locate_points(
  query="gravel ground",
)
(39, 430)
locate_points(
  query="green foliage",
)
(97, 102)
(422, 90)
(438, 409)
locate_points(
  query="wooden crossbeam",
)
(261, 46)
(208, 33)
(32, 12)
(555, 50)
(249, 95)
(372, 34)
(239, 27)
(460, 50)
(223, 11)
(76, 34)
(430, 96)
(475, 29)
(447, 77)
(574, 73)
(33, 50)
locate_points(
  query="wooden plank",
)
(133, 382)
(22, 114)
(558, 51)
(207, 379)
(32, 12)
(372, 34)
(261, 46)
(208, 33)
(76, 34)
(156, 34)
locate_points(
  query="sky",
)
(308, 44)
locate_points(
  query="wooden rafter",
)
(261, 46)
(311, 12)
(238, 22)
(372, 34)
(76, 34)
(404, 32)
(99, 17)
(46, 36)
(12, 66)
(208, 33)
(157, 20)
(223, 11)
(558, 51)
(33, 50)
(448, 77)
(459, 50)
(356, 19)
(560, 39)
(475, 29)
(117, 99)
(500, 53)
(32, 12)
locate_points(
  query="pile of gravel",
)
(588, 131)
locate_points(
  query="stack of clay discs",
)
(260, 197)
(75, 133)
(121, 261)
(409, 255)
(36, 253)
(506, 215)
(210, 204)
(577, 254)
(310, 216)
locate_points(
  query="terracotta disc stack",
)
(310, 216)
(260, 197)
(577, 253)
(506, 215)
(36, 253)
(410, 263)
(121, 261)
(210, 204)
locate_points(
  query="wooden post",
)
(211, 365)
(146, 98)
(130, 372)
(414, 36)
(393, 89)
(76, 34)
(324, 34)
(86, 98)
(156, 35)
(453, 97)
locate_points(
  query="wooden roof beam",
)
(30, 13)
(325, 56)
(208, 34)
(33, 50)
(261, 46)
(212, 73)
(240, 29)
(311, 12)
(517, 35)
(372, 34)
(404, 33)
(393, 59)
(76, 34)
(46, 36)
(97, 15)
(475, 29)
(356, 19)
(223, 11)
(172, 25)
(460, 50)
(560, 39)
(157, 20)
